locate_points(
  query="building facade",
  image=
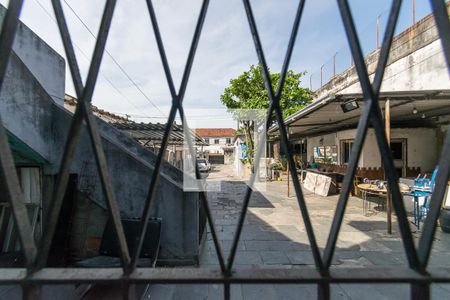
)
(219, 148)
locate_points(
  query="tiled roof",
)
(72, 101)
(215, 132)
(142, 132)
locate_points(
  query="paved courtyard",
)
(274, 237)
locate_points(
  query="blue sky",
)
(225, 49)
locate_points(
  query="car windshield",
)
(201, 161)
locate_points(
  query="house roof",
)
(147, 133)
(326, 115)
(153, 133)
(72, 101)
(215, 132)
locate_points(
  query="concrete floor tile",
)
(300, 257)
(274, 258)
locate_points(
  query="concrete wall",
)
(422, 146)
(30, 114)
(46, 65)
(416, 62)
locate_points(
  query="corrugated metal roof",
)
(151, 132)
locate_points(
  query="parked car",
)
(203, 165)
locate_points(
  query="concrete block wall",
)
(31, 114)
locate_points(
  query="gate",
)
(216, 159)
(416, 272)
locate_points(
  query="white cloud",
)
(225, 49)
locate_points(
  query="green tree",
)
(247, 91)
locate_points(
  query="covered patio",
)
(322, 136)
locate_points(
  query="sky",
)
(225, 49)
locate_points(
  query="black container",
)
(444, 219)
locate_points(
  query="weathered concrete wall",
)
(46, 65)
(416, 62)
(30, 114)
(422, 146)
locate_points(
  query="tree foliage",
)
(247, 91)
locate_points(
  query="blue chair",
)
(423, 188)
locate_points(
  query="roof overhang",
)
(407, 109)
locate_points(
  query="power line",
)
(87, 58)
(114, 60)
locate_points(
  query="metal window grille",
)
(416, 273)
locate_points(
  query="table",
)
(372, 189)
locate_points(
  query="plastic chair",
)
(423, 188)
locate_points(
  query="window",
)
(206, 140)
(216, 141)
(228, 141)
(325, 154)
(346, 149)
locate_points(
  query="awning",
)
(408, 109)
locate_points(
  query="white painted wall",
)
(217, 148)
(422, 146)
(424, 69)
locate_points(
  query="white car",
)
(203, 165)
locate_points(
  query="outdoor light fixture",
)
(349, 106)
(415, 111)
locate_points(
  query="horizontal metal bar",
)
(301, 275)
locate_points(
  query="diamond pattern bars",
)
(417, 260)
(8, 171)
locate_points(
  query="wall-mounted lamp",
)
(349, 106)
(414, 111)
(423, 116)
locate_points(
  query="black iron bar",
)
(85, 109)
(360, 134)
(283, 136)
(429, 228)
(260, 145)
(70, 145)
(443, 26)
(300, 275)
(437, 198)
(375, 119)
(203, 196)
(10, 180)
(176, 104)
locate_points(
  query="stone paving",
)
(274, 237)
